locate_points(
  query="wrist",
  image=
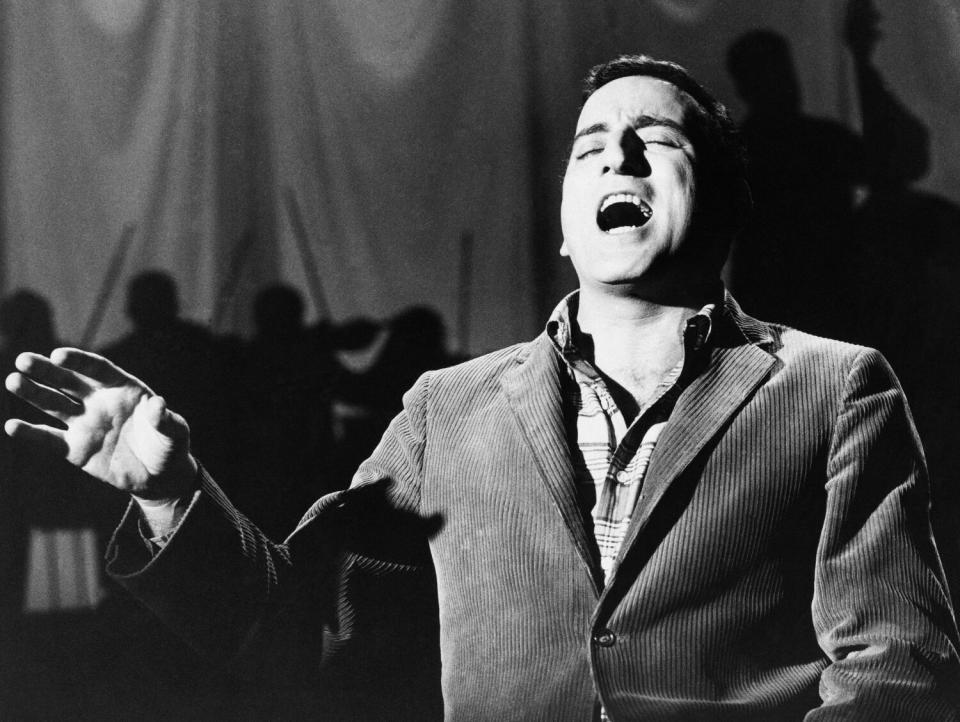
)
(162, 516)
(177, 482)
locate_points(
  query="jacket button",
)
(604, 638)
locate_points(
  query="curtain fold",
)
(374, 155)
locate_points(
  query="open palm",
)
(111, 424)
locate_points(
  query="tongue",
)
(621, 215)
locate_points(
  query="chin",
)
(620, 284)
(648, 281)
(635, 270)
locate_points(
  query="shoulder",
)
(828, 367)
(483, 369)
(793, 348)
(479, 378)
(818, 365)
(492, 363)
(806, 347)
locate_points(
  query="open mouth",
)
(622, 212)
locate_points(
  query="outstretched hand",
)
(111, 424)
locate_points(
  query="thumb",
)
(165, 421)
(153, 434)
(153, 409)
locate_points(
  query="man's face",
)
(629, 189)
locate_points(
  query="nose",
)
(625, 154)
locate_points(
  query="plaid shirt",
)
(610, 458)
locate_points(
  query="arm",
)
(896, 143)
(880, 607)
(112, 426)
(225, 587)
(219, 580)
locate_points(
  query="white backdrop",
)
(247, 142)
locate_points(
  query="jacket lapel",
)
(737, 366)
(534, 391)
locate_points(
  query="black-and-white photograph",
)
(467, 360)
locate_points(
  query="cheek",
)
(686, 180)
(685, 191)
(573, 210)
(566, 216)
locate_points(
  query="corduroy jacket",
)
(779, 564)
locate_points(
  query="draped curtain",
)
(372, 154)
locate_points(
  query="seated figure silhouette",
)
(410, 343)
(179, 356)
(36, 489)
(43, 498)
(285, 416)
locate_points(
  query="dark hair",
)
(721, 157)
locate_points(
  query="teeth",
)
(624, 198)
(615, 214)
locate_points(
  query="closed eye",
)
(664, 137)
(585, 152)
(663, 140)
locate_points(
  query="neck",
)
(627, 316)
(632, 341)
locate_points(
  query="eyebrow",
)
(642, 121)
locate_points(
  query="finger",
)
(44, 371)
(47, 438)
(43, 398)
(93, 366)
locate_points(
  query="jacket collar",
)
(533, 388)
(738, 364)
(735, 327)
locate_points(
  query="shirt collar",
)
(560, 330)
(697, 332)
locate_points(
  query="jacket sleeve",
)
(881, 608)
(219, 579)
